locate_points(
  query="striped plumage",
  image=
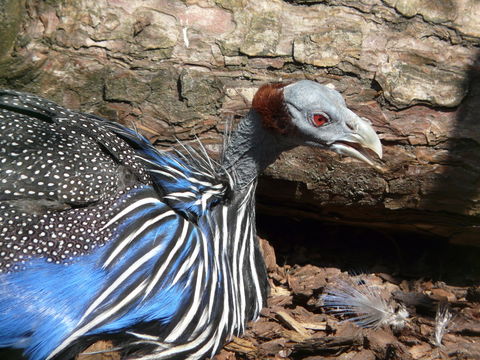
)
(103, 236)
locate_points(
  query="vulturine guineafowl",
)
(104, 237)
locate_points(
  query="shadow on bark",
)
(462, 171)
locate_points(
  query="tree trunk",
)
(182, 67)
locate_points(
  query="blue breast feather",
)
(51, 299)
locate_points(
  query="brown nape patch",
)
(268, 102)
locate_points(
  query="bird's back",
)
(102, 236)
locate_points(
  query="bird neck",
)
(252, 149)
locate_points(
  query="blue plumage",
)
(51, 314)
(104, 237)
(146, 261)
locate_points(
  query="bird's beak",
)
(360, 141)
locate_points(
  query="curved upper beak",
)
(360, 141)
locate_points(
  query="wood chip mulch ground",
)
(296, 325)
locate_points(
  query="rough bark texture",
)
(181, 67)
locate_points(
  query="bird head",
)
(308, 113)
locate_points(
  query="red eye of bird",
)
(319, 119)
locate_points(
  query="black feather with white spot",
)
(53, 159)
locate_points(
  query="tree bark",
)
(182, 67)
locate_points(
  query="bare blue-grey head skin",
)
(254, 146)
(343, 128)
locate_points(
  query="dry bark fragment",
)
(293, 324)
(240, 345)
(327, 345)
(364, 355)
(306, 280)
(386, 346)
(99, 346)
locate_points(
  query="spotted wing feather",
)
(59, 158)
